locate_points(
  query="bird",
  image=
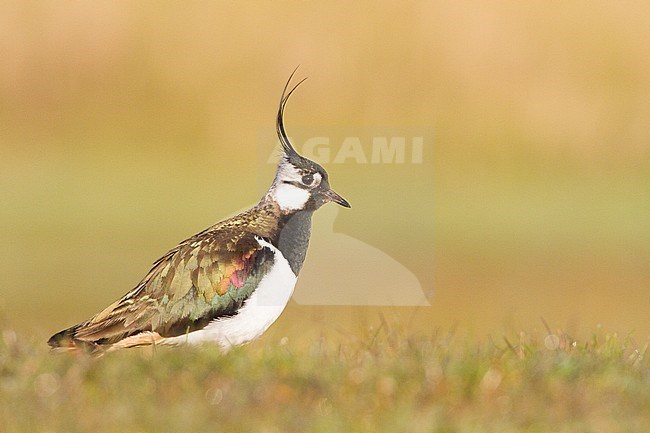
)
(227, 284)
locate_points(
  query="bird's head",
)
(300, 184)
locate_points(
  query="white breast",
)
(257, 313)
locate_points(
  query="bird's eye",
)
(307, 179)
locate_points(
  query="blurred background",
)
(127, 126)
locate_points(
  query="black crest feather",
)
(282, 134)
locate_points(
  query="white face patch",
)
(290, 197)
(287, 191)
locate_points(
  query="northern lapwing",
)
(227, 284)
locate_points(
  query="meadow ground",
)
(385, 380)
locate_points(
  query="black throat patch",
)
(293, 238)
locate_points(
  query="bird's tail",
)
(65, 341)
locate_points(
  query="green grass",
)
(386, 380)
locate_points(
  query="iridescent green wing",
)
(206, 277)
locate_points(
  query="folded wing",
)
(206, 277)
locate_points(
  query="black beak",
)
(331, 195)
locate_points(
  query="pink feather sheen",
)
(238, 278)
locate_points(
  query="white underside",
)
(257, 313)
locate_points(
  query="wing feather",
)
(193, 284)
